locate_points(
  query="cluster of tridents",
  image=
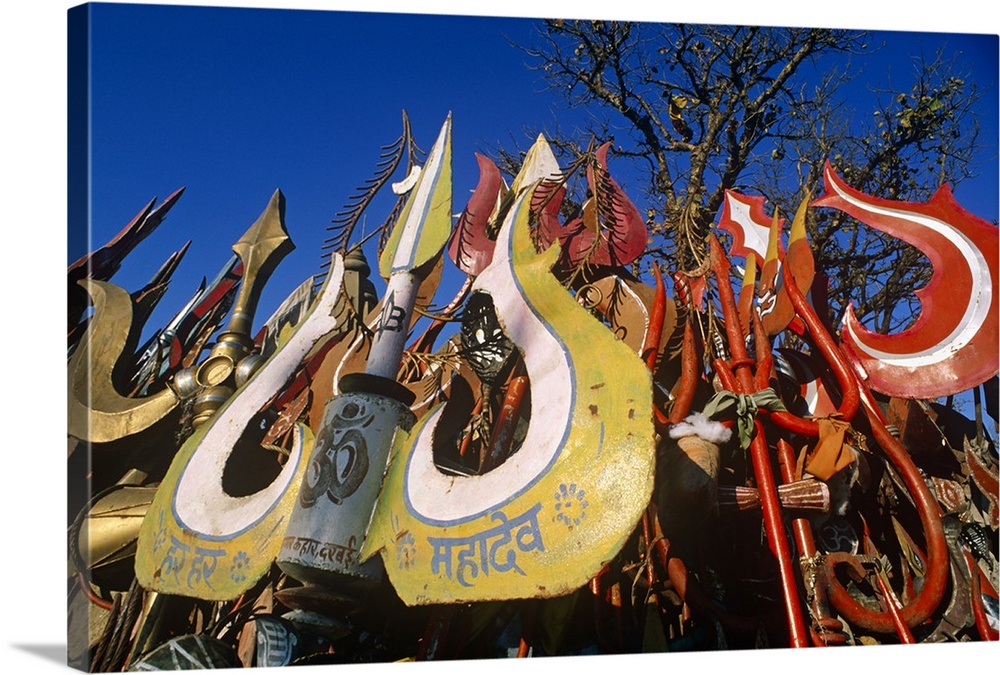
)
(729, 549)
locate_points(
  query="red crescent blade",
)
(952, 346)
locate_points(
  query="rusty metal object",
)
(802, 495)
(937, 569)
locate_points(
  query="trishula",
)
(545, 521)
(748, 375)
(345, 471)
(191, 506)
(260, 250)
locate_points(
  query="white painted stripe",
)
(199, 503)
(428, 180)
(436, 496)
(979, 303)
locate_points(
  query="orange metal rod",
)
(850, 395)
(503, 431)
(760, 457)
(983, 627)
(802, 531)
(902, 630)
(774, 527)
(654, 331)
(688, 381)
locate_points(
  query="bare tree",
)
(701, 109)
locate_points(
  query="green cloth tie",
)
(744, 407)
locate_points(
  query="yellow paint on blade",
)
(200, 540)
(425, 223)
(545, 521)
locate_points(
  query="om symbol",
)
(340, 461)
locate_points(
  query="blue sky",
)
(233, 103)
(215, 211)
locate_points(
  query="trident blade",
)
(260, 249)
(96, 411)
(951, 347)
(421, 232)
(425, 223)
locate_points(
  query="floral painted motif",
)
(238, 570)
(571, 504)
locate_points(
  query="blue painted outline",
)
(408, 265)
(229, 537)
(566, 431)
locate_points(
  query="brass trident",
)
(260, 249)
(98, 413)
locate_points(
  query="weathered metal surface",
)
(470, 246)
(109, 532)
(97, 412)
(189, 652)
(611, 230)
(553, 514)
(535, 476)
(626, 305)
(324, 535)
(260, 249)
(775, 306)
(425, 223)
(198, 540)
(419, 235)
(743, 217)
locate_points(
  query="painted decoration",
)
(748, 291)
(470, 247)
(743, 217)
(424, 226)
(774, 305)
(627, 305)
(611, 230)
(952, 346)
(326, 528)
(417, 238)
(188, 652)
(199, 541)
(544, 522)
(758, 240)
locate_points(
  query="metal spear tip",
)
(425, 223)
(266, 237)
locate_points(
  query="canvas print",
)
(398, 337)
